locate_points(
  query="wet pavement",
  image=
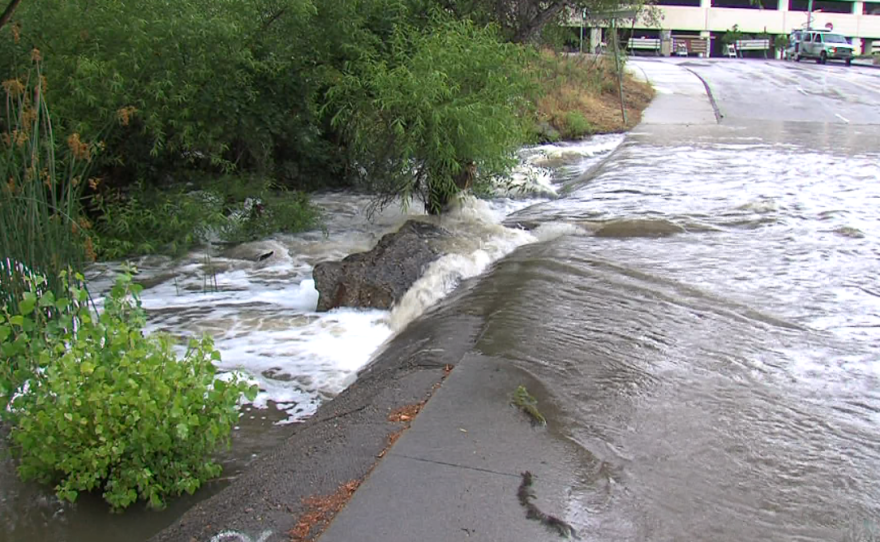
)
(709, 372)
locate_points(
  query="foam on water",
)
(258, 300)
(542, 168)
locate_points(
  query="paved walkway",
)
(456, 473)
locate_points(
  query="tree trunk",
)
(530, 28)
(7, 13)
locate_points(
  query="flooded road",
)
(700, 302)
(714, 345)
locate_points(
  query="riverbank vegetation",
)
(411, 98)
(95, 404)
(152, 126)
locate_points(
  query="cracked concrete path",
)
(459, 466)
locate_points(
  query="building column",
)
(706, 35)
(858, 7)
(857, 45)
(595, 39)
(782, 5)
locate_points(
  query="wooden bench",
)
(693, 44)
(644, 44)
(753, 45)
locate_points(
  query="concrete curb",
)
(342, 443)
(718, 114)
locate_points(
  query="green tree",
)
(7, 13)
(445, 110)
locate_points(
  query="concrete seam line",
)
(456, 465)
(715, 109)
(550, 482)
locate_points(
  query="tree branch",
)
(528, 30)
(7, 13)
(272, 19)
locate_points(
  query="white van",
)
(821, 45)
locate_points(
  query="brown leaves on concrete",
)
(406, 413)
(320, 511)
(392, 438)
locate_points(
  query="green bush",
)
(209, 85)
(150, 221)
(233, 209)
(447, 100)
(95, 404)
(271, 212)
(575, 125)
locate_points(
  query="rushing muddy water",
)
(703, 309)
(715, 345)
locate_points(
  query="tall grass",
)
(579, 94)
(42, 230)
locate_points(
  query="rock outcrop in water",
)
(378, 278)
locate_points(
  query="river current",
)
(701, 305)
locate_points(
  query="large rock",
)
(378, 278)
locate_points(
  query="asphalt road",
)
(773, 90)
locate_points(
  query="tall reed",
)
(42, 229)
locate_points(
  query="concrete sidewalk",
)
(455, 474)
(681, 96)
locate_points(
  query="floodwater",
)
(258, 302)
(714, 345)
(702, 306)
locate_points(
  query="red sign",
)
(829, 26)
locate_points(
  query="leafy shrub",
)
(278, 212)
(232, 210)
(575, 125)
(149, 221)
(209, 85)
(94, 403)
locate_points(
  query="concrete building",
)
(707, 21)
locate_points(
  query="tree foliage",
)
(207, 83)
(445, 106)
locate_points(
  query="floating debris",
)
(529, 405)
(553, 523)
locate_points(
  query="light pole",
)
(809, 14)
(583, 20)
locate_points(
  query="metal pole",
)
(581, 47)
(583, 20)
(809, 14)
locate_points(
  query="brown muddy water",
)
(703, 308)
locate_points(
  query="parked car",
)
(820, 45)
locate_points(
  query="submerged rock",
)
(378, 278)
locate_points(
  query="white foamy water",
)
(258, 300)
(544, 168)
